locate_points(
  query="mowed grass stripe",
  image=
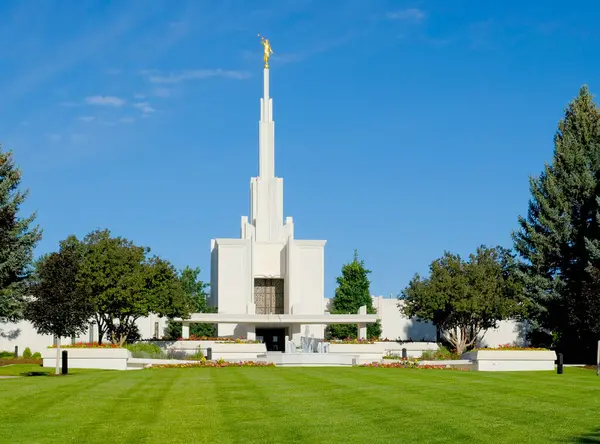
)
(43, 400)
(253, 404)
(384, 413)
(325, 405)
(190, 413)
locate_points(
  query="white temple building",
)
(267, 284)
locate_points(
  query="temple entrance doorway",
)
(273, 338)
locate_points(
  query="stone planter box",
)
(366, 353)
(220, 350)
(376, 351)
(511, 360)
(100, 358)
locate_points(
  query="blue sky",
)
(403, 129)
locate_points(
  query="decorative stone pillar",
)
(251, 332)
(362, 328)
(185, 330)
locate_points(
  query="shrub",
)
(198, 356)
(145, 350)
(27, 353)
(439, 355)
(6, 354)
(88, 345)
(36, 355)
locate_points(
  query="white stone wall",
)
(23, 334)
(233, 279)
(396, 326)
(306, 288)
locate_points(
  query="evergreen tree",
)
(17, 241)
(559, 239)
(352, 293)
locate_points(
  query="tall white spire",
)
(266, 133)
(266, 222)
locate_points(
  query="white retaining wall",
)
(98, 358)
(511, 360)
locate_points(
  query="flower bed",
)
(15, 361)
(510, 347)
(225, 340)
(409, 363)
(219, 363)
(352, 341)
(88, 345)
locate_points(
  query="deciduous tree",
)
(56, 306)
(464, 298)
(196, 291)
(125, 285)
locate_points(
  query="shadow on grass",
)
(34, 374)
(588, 438)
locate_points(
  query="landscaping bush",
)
(6, 354)
(145, 350)
(439, 355)
(199, 355)
(27, 353)
(36, 355)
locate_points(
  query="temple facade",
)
(266, 274)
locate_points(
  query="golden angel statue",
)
(268, 50)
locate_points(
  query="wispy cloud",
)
(54, 137)
(170, 78)
(162, 92)
(410, 14)
(144, 107)
(126, 120)
(105, 101)
(77, 139)
(87, 118)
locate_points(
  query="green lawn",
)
(295, 405)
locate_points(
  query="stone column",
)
(185, 330)
(251, 332)
(362, 328)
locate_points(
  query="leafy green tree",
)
(125, 285)
(56, 306)
(559, 240)
(352, 293)
(465, 298)
(196, 290)
(17, 241)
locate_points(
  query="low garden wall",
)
(228, 350)
(366, 352)
(99, 358)
(511, 360)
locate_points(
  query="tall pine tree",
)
(559, 239)
(352, 293)
(17, 241)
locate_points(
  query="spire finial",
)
(268, 50)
